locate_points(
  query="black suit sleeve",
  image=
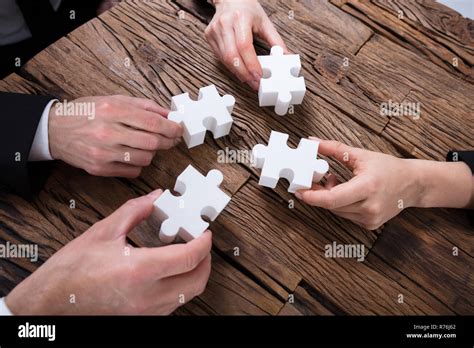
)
(20, 115)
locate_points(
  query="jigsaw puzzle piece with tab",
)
(280, 85)
(299, 166)
(200, 196)
(210, 112)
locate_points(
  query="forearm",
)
(444, 184)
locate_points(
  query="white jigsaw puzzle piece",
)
(299, 166)
(200, 196)
(280, 85)
(210, 112)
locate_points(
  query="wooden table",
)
(355, 55)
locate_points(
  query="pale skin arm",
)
(446, 184)
(107, 276)
(383, 185)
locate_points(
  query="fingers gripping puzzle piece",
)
(299, 166)
(200, 196)
(280, 85)
(210, 112)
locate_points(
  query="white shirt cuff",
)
(40, 149)
(3, 307)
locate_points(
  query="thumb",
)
(129, 215)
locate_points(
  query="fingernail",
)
(314, 138)
(177, 141)
(298, 195)
(254, 84)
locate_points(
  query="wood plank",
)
(427, 28)
(229, 292)
(92, 196)
(280, 281)
(439, 22)
(297, 244)
(16, 84)
(406, 71)
(53, 202)
(361, 74)
(443, 126)
(289, 280)
(442, 97)
(452, 225)
(22, 223)
(10, 276)
(223, 295)
(171, 75)
(425, 256)
(344, 30)
(329, 23)
(333, 31)
(278, 248)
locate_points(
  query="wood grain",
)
(427, 257)
(93, 201)
(428, 28)
(355, 55)
(151, 78)
(303, 303)
(443, 126)
(312, 38)
(68, 223)
(446, 102)
(295, 244)
(10, 276)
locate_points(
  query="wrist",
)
(442, 184)
(415, 187)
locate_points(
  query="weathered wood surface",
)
(353, 59)
(426, 27)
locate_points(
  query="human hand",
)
(118, 139)
(230, 34)
(104, 275)
(384, 185)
